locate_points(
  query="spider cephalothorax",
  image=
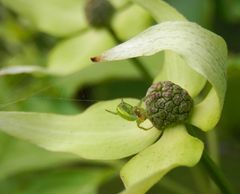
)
(131, 113)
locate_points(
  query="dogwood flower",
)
(194, 58)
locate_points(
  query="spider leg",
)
(144, 128)
(115, 113)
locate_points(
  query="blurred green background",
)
(54, 35)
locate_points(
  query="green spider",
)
(131, 113)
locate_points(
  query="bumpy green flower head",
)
(167, 104)
(98, 12)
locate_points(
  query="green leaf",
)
(130, 17)
(160, 10)
(175, 148)
(204, 51)
(119, 4)
(74, 54)
(18, 156)
(94, 134)
(56, 17)
(61, 181)
(201, 12)
(230, 11)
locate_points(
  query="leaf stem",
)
(201, 179)
(136, 62)
(216, 174)
(212, 141)
(213, 170)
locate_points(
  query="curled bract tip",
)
(96, 59)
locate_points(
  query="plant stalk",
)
(216, 174)
(213, 170)
(201, 179)
(212, 141)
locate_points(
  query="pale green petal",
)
(175, 148)
(203, 51)
(119, 4)
(28, 157)
(176, 70)
(74, 54)
(56, 17)
(130, 17)
(94, 134)
(160, 10)
(207, 113)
